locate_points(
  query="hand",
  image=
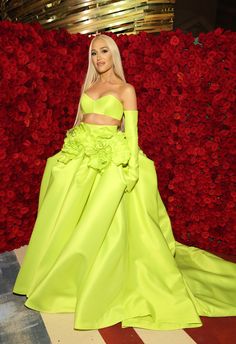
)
(131, 176)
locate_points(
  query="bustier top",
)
(107, 105)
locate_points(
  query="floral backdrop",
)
(186, 90)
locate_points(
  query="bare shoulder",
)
(128, 90)
(128, 95)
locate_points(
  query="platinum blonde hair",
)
(92, 75)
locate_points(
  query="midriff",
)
(95, 118)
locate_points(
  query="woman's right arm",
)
(79, 116)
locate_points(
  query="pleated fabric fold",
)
(110, 256)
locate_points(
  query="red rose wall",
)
(186, 90)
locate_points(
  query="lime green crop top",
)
(107, 105)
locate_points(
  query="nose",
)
(98, 56)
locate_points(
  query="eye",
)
(93, 53)
(104, 50)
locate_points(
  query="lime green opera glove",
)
(131, 173)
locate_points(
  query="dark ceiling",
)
(203, 16)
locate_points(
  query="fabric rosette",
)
(72, 147)
(102, 146)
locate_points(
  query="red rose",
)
(174, 40)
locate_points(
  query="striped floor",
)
(60, 330)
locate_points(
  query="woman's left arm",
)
(131, 133)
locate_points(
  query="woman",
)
(102, 245)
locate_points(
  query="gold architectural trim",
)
(91, 16)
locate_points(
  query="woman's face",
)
(101, 56)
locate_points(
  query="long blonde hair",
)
(92, 75)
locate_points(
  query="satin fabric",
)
(108, 105)
(110, 256)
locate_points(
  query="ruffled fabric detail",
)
(101, 145)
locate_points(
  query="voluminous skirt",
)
(110, 256)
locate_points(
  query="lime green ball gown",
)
(102, 245)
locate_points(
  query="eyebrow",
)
(101, 48)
